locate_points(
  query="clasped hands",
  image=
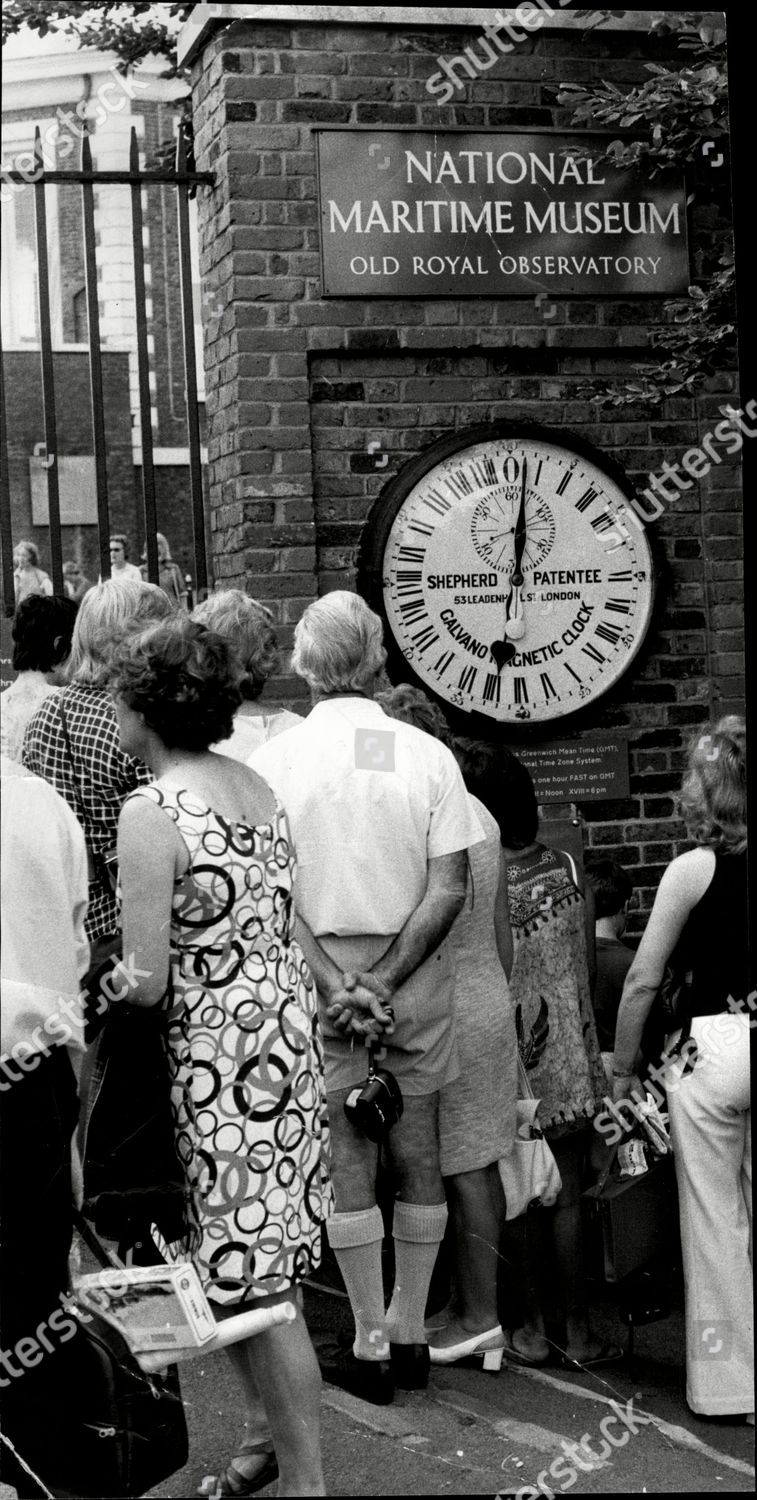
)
(361, 1006)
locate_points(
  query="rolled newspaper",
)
(230, 1331)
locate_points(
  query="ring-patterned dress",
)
(245, 1057)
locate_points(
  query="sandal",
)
(515, 1356)
(236, 1480)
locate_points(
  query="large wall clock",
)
(512, 578)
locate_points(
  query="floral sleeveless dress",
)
(245, 1057)
(549, 986)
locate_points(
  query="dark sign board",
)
(578, 770)
(499, 214)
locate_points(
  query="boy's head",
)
(612, 887)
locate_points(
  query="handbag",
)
(529, 1174)
(637, 1217)
(128, 1429)
(132, 1173)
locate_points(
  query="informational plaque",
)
(495, 214)
(77, 491)
(591, 770)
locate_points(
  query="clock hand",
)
(515, 628)
(504, 651)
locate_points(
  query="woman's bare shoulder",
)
(143, 814)
(247, 786)
(690, 873)
(693, 863)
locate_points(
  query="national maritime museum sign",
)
(452, 213)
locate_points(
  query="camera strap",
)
(70, 753)
(92, 870)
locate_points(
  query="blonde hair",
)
(713, 795)
(248, 628)
(31, 548)
(106, 614)
(338, 644)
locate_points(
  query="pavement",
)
(474, 1433)
(513, 1432)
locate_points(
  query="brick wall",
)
(298, 386)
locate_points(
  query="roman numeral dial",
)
(446, 536)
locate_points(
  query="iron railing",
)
(184, 181)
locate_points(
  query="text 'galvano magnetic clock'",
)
(513, 577)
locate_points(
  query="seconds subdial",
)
(493, 528)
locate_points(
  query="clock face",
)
(514, 578)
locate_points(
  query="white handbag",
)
(529, 1174)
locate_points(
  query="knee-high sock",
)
(356, 1240)
(418, 1230)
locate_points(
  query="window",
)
(20, 316)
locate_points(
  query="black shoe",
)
(370, 1379)
(410, 1364)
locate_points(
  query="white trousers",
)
(710, 1128)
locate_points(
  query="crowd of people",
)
(354, 932)
(29, 578)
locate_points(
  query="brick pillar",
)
(316, 402)
(259, 449)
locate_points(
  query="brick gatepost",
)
(313, 403)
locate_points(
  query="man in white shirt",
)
(381, 823)
(44, 955)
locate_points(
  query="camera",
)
(376, 1106)
(106, 869)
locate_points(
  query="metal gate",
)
(184, 181)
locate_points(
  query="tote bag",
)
(529, 1174)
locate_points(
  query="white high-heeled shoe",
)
(489, 1345)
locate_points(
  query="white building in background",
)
(54, 85)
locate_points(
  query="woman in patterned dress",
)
(207, 868)
(552, 925)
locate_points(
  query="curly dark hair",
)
(502, 782)
(42, 629)
(182, 678)
(412, 706)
